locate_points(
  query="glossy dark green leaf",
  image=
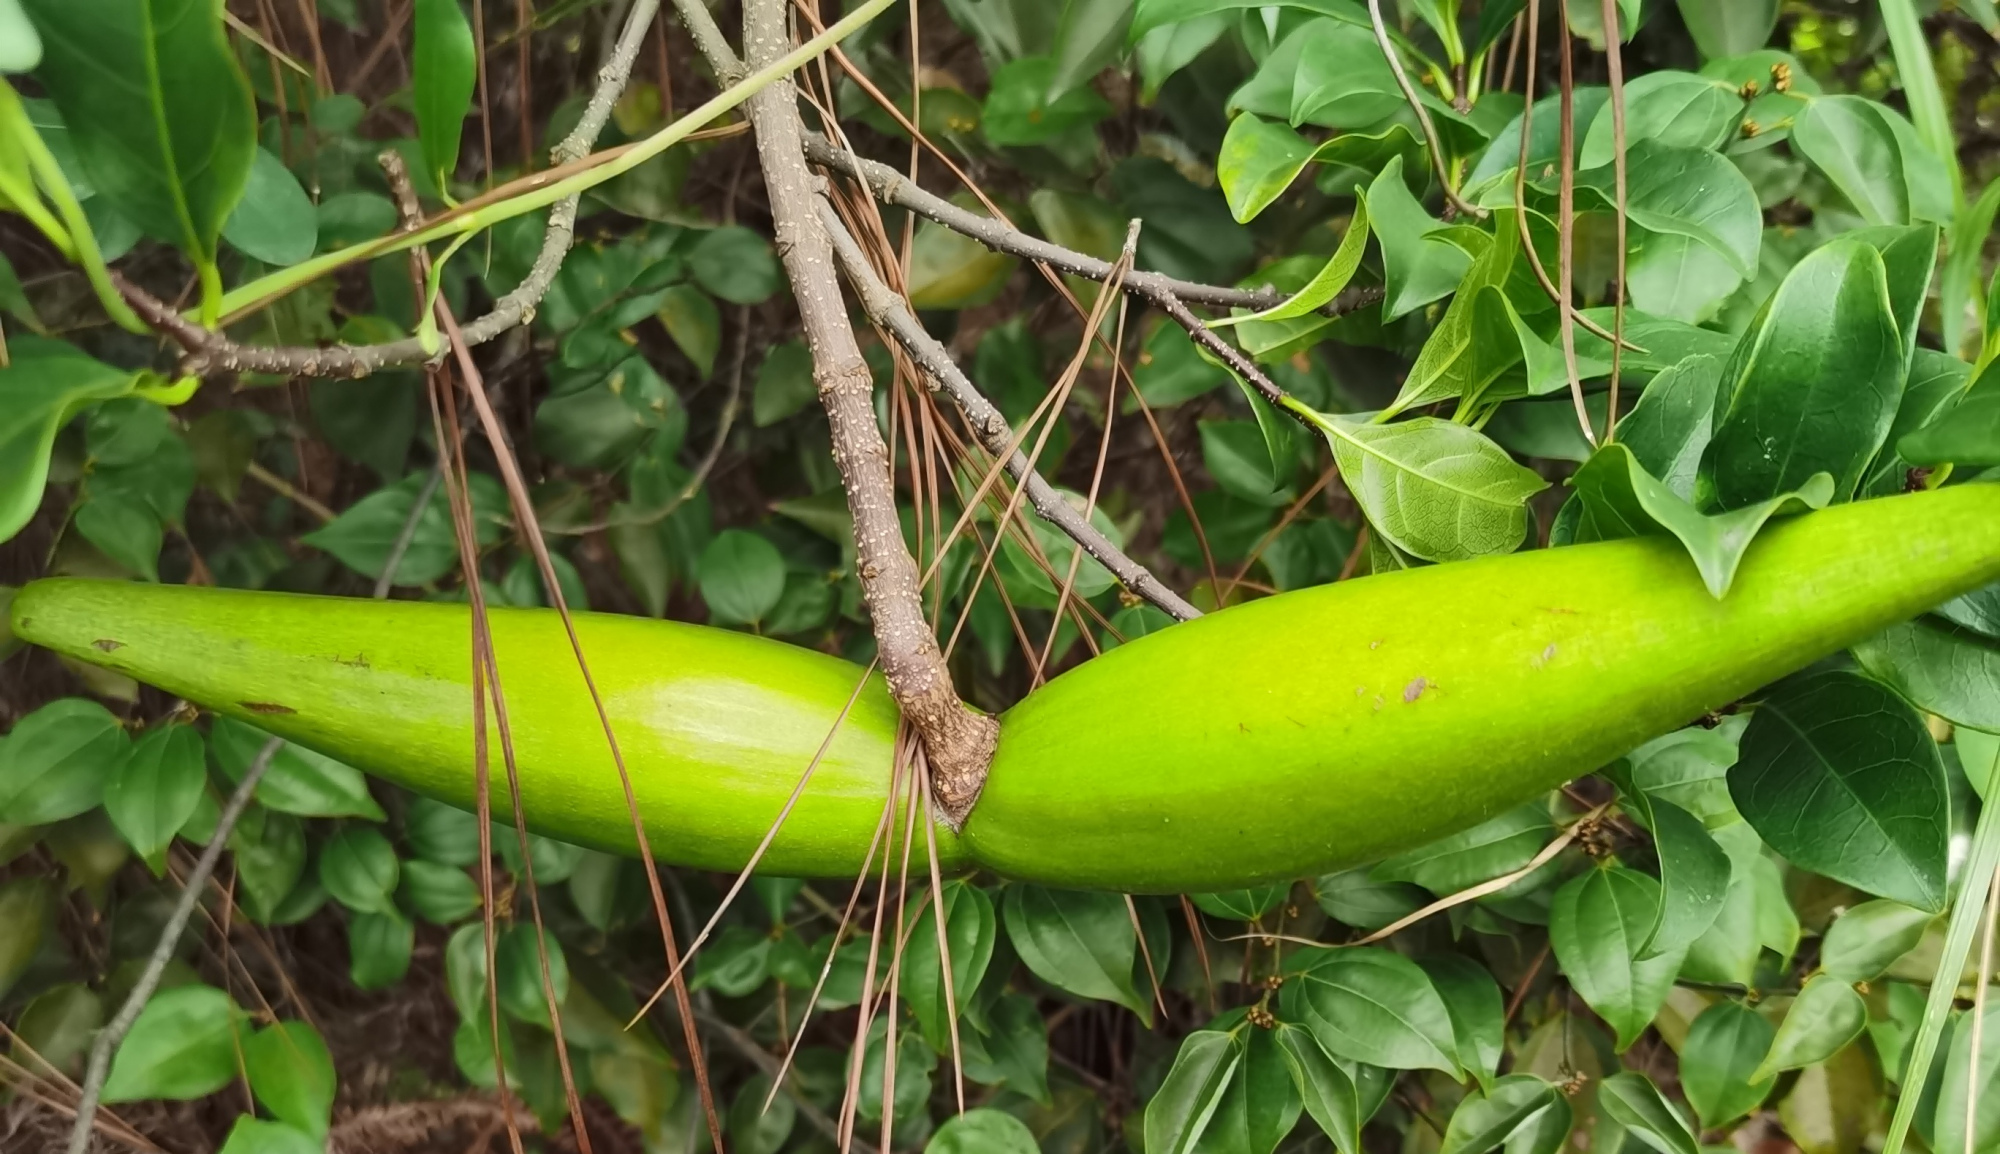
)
(1693, 193)
(378, 949)
(1939, 667)
(275, 222)
(1597, 926)
(444, 66)
(1179, 1114)
(1823, 1019)
(1967, 433)
(1862, 943)
(157, 109)
(1472, 998)
(1849, 140)
(358, 867)
(1236, 455)
(1820, 372)
(1620, 499)
(182, 1046)
(1474, 342)
(363, 536)
(1078, 941)
(299, 780)
(1015, 1053)
(970, 932)
(57, 760)
(1326, 1088)
(1722, 1051)
(1679, 109)
(1935, 382)
(1259, 160)
(1633, 1102)
(1417, 267)
(1438, 490)
(291, 1073)
(1371, 1005)
(1355, 898)
(1694, 878)
(1497, 846)
(153, 792)
(983, 1131)
(1165, 51)
(1486, 1119)
(1841, 777)
(44, 385)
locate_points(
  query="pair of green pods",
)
(1278, 739)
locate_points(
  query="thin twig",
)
(289, 491)
(163, 950)
(1615, 67)
(1566, 221)
(407, 534)
(1431, 139)
(888, 309)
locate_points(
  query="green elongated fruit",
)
(1282, 738)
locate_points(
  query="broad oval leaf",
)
(154, 791)
(182, 1046)
(1597, 926)
(1940, 668)
(157, 108)
(1371, 1005)
(1435, 489)
(970, 931)
(1820, 372)
(1850, 141)
(1723, 1049)
(358, 867)
(291, 1073)
(1331, 1092)
(379, 946)
(299, 780)
(983, 1131)
(742, 577)
(1487, 1119)
(275, 222)
(1078, 941)
(1488, 850)
(1825, 1017)
(44, 384)
(55, 763)
(1862, 943)
(1179, 1113)
(1633, 1102)
(253, 1135)
(1841, 777)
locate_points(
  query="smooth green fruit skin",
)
(716, 727)
(1282, 738)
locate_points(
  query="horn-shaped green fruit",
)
(1289, 736)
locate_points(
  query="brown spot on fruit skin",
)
(266, 707)
(1415, 689)
(106, 645)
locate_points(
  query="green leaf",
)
(1841, 777)
(1694, 878)
(1016, 1052)
(983, 1131)
(1679, 109)
(157, 109)
(1497, 846)
(755, 1128)
(1722, 1051)
(57, 760)
(154, 791)
(520, 968)
(1243, 905)
(1371, 1005)
(1819, 372)
(58, 1026)
(970, 933)
(270, 851)
(363, 536)
(1090, 37)
(1354, 898)
(358, 867)
(299, 780)
(378, 948)
(1179, 1114)
(742, 577)
(1328, 1088)
(735, 963)
(1934, 383)
(1472, 998)
(1597, 926)
(1078, 941)
(275, 222)
(735, 264)
(26, 904)
(1959, 1081)
(1823, 1019)
(951, 271)
(444, 66)
(251, 1135)
(1018, 110)
(1862, 943)
(20, 44)
(1417, 267)
(1635, 1103)
(1848, 139)
(1258, 161)
(439, 893)
(292, 1074)
(1237, 456)
(1729, 27)
(1327, 283)
(1486, 1119)
(44, 385)
(1694, 193)
(125, 528)
(1475, 342)
(1434, 489)
(1620, 499)
(1967, 433)
(441, 833)
(1165, 51)
(784, 384)
(1940, 668)
(182, 1046)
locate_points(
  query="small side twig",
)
(407, 534)
(1432, 141)
(163, 950)
(889, 310)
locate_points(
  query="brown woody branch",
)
(889, 310)
(958, 741)
(892, 187)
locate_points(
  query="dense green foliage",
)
(1727, 936)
